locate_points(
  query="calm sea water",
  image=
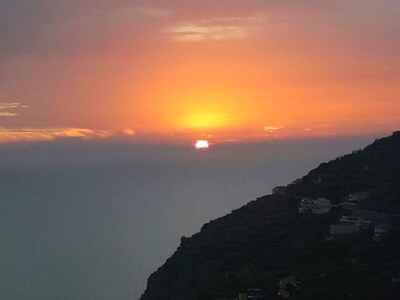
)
(91, 220)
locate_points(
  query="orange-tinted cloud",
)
(34, 134)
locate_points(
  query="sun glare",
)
(202, 144)
(208, 120)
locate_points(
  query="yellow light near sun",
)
(198, 98)
(205, 120)
(206, 111)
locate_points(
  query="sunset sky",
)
(186, 70)
(102, 103)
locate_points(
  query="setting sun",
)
(202, 144)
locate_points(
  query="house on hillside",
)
(358, 197)
(349, 225)
(355, 220)
(352, 201)
(316, 206)
(380, 231)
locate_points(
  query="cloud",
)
(272, 129)
(194, 33)
(128, 131)
(35, 134)
(6, 106)
(7, 114)
(217, 29)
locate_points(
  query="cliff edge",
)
(255, 246)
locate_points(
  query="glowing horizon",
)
(244, 71)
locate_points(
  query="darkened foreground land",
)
(349, 249)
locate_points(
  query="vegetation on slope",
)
(267, 239)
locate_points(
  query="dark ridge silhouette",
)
(260, 243)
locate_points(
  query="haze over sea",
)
(93, 219)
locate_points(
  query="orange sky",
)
(229, 70)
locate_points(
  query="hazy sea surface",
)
(92, 219)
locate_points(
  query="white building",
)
(354, 220)
(358, 197)
(316, 206)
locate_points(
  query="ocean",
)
(92, 219)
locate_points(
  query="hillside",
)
(267, 239)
